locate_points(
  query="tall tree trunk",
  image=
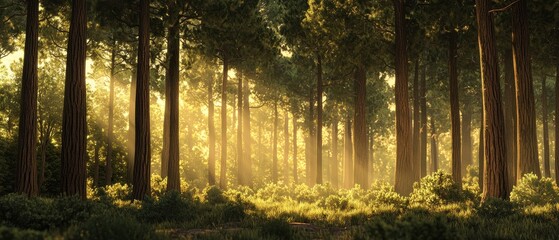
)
(131, 127)
(481, 152)
(142, 156)
(434, 148)
(286, 147)
(259, 154)
(173, 171)
(454, 109)
(295, 176)
(416, 124)
(348, 154)
(319, 120)
(211, 134)
(223, 174)
(74, 121)
(109, 160)
(510, 117)
(240, 155)
(371, 157)
(166, 130)
(96, 164)
(423, 96)
(360, 140)
(467, 156)
(335, 164)
(557, 118)
(495, 174)
(404, 165)
(275, 146)
(546, 167)
(247, 166)
(45, 141)
(527, 159)
(311, 161)
(26, 180)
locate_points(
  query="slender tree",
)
(286, 147)
(211, 134)
(294, 125)
(335, 164)
(247, 161)
(416, 123)
(434, 150)
(172, 79)
(240, 154)
(423, 105)
(454, 109)
(109, 159)
(510, 116)
(275, 145)
(546, 167)
(360, 149)
(223, 172)
(348, 154)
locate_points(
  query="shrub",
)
(22, 212)
(16, 234)
(436, 189)
(412, 227)
(171, 206)
(111, 226)
(531, 190)
(383, 193)
(213, 195)
(276, 228)
(496, 208)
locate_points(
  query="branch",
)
(505, 8)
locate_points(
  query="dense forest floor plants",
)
(436, 209)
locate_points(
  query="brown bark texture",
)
(510, 116)
(360, 140)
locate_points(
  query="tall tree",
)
(434, 150)
(454, 109)
(172, 80)
(286, 146)
(423, 105)
(495, 173)
(26, 181)
(240, 155)
(142, 155)
(527, 159)
(348, 154)
(223, 169)
(247, 161)
(510, 115)
(275, 145)
(211, 133)
(294, 125)
(416, 122)
(334, 162)
(108, 162)
(546, 167)
(74, 123)
(360, 140)
(404, 164)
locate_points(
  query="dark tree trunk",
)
(434, 148)
(371, 157)
(295, 175)
(495, 174)
(481, 153)
(173, 54)
(247, 163)
(74, 123)
(311, 161)
(423, 93)
(416, 124)
(26, 180)
(557, 119)
(546, 167)
(275, 146)
(286, 147)
(96, 164)
(360, 140)
(510, 117)
(240, 155)
(109, 160)
(404, 165)
(142, 156)
(45, 141)
(131, 127)
(335, 164)
(319, 120)
(166, 130)
(467, 156)
(223, 173)
(454, 109)
(348, 154)
(527, 159)
(211, 134)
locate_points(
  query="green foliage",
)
(170, 207)
(531, 190)
(436, 189)
(8, 233)
(111, 226)
(276, 228)
(496, 208)
(213, 195)
(409, 227)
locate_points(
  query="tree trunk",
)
(74, 121)
(481, 152)
(495, 174)
(247, 163)
(275, 146)
(335, 164)
(416, 124)
(467, 156)
(295, 176)
(173, 171)
(166, 130)
(360, 140)
(211, 134)
(404, 165)
(142, 156)
(286, 147)
(311, 162)
(371, 157)
(45, 141)
(240, 155)
(259, 155)
(26, 180)
(131, 127)
(546, 167)
(527, 159)
(223, 172)
(423, 93)
(109, 160)
(434, 148)
(557, 120)
(454, 109)
(348, 154)
(319, 120)
(96, 165)
(510, 117)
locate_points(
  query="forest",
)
(279, 119)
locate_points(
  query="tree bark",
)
(510, 117)
(295, 175)
(319, 120)
(311, 161)
(454, 109)
(527, 159)
(26, 180)
(211, 134)
(434, 148)
(404, 165)
(557, 119)
(142, 156)
(348, 154)
(96, 165)
(416, 124)
(109, 160)
(275, 146)
(131, 127)
(481, 152)
(546, 167)
(223, 172)
(286, 147)
(495, 174)
(335, 164)
(74, 121)
(467, 156)
(166, 130)
(423, 93)
(360, 140)
(240, 155)
(247, 166)
(173, 53)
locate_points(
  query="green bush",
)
(496, 208)
(534, 191)
(436, 189)
(213, 195)
(7, 233)
(170, 207)
(276, 228)
(111, 226)
(411, 227)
